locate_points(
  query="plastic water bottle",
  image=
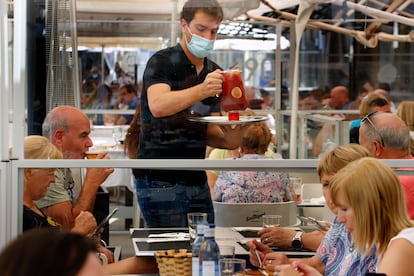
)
(196, 271)
(209, 253)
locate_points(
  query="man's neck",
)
(198, 62)
(395, 154)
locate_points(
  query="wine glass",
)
(117, 134)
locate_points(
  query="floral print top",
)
(252, 186)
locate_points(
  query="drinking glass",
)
(271, 220)
(117, 134)
(193, 219)
(232, 267)
(296, 188)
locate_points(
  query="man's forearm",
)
(86, 199)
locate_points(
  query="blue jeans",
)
(165, 204)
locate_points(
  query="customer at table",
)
(36, 182)
(405, 111)
(68, 129)
(371, 205)
(371, 103)
(128, 97)
(386, 136)
(178, 82)
(46, 252)
(253, 186)
(333, 256)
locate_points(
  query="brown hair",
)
(210, 7)
(369, 102)
(256, 139)
(132, 136)
(43, 251)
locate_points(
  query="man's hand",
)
(85, 223)
(277, 236)
(212, 85)
(97, 176)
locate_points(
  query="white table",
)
(223, 236)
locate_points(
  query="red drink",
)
(233, 96)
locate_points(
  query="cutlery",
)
(262, 271)
(320, 224)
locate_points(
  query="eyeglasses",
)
(367, 119)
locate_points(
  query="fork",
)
(262, 271)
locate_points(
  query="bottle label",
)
(210, 268)
(196, 266)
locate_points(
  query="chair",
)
(249, 214)
(309, 191)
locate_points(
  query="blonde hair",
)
(375, 194)
(39, 147)
(339, 157)
(405, 111)
(370, 101)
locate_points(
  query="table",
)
(235, 236)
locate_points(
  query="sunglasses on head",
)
(368, 119)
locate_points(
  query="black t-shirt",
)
(174, 137)
(34, 220)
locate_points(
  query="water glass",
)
(232, 267)
(271, 220)
(193, 219)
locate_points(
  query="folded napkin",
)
(168, 237)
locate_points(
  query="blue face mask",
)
(199, 46)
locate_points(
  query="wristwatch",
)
(297, 240)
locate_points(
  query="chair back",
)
(311, 190)
(250, 214)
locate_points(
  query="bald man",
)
(339, 98)
(68, 129)
(386, 136)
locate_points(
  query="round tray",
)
(223, 120)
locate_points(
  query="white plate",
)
(223, 120)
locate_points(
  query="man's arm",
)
(164, 102)
(63, 211)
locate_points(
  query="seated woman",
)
(36, 182)
(253, 186)
(371, 205)
(332, 255)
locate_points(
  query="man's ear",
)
(378, 149)
(27, 172)
(183, 24)
(58, 137)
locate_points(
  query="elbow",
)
(157, 111)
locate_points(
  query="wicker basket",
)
(174, 262)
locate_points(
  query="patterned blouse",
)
(252, 186)
(339, 255)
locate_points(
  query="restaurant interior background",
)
(40, 70)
